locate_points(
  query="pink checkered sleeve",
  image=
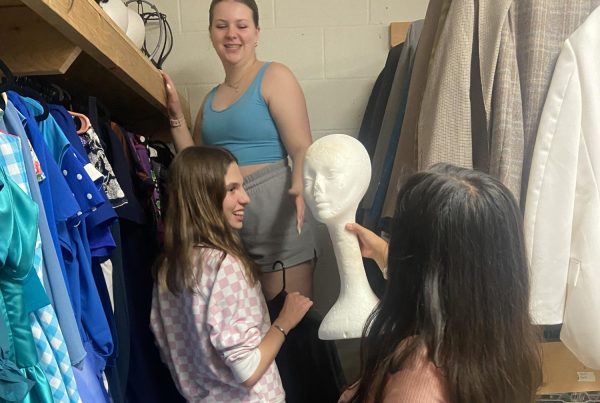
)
(157, 326)
(235, 319)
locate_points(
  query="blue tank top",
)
(245, 128)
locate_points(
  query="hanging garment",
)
(369, 131)
(309, 367)
(485, 78)
(20, 290)
(14, 386)
(117, 368)
(444, 126)
(405, 162)
(368, 134)
(74, 242)
(92, 325)
(160, 160)
(49, 341)
(389, 135)
(541, 26)
(100, 219)
(98, 158)
(562, 212)
(43, 196)
(52, 187)
(140, 162)
(12, 123)
(151, 381)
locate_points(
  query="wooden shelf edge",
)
(80, 47)
(398, 31)
(87, 26)
(47, 50)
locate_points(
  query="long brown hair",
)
(195, 217)
(458, 282)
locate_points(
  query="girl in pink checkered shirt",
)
(208, 313)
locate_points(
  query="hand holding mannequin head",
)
(337, 171)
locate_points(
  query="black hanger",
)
(6, 81)
(49, 91)
(274, 267)
(9, 83)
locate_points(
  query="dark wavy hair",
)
(195, 217)
(459, 282)
(251, 4)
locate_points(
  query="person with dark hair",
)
(259, 114)
(208, 313)
(454, 323)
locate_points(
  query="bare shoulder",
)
(278, 79)
(278, 71)
(278, 75)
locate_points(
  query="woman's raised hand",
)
(173, 104)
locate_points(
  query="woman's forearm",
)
(297, 175)
(268, 347)
(182, 138)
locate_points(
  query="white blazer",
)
(562, 211)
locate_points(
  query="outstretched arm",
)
(371, 245)
(286, 103)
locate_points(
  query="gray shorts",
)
(269, 232)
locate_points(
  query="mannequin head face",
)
(337, 171)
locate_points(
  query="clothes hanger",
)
(9, 83)
(84, 122)
(7, 77)
(59, 95)
(3, 100)
(274, 267)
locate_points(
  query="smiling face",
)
(236, 197)
(336, 176)
(233, 32)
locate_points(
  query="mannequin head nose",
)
(319, 185)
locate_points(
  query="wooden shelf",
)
(398, 31)
(564, 373)
(86, 52)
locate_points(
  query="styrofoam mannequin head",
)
(117, 11)
(337, 171)
(136, 30)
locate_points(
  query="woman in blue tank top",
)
(259, 114)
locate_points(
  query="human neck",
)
(236, 74)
